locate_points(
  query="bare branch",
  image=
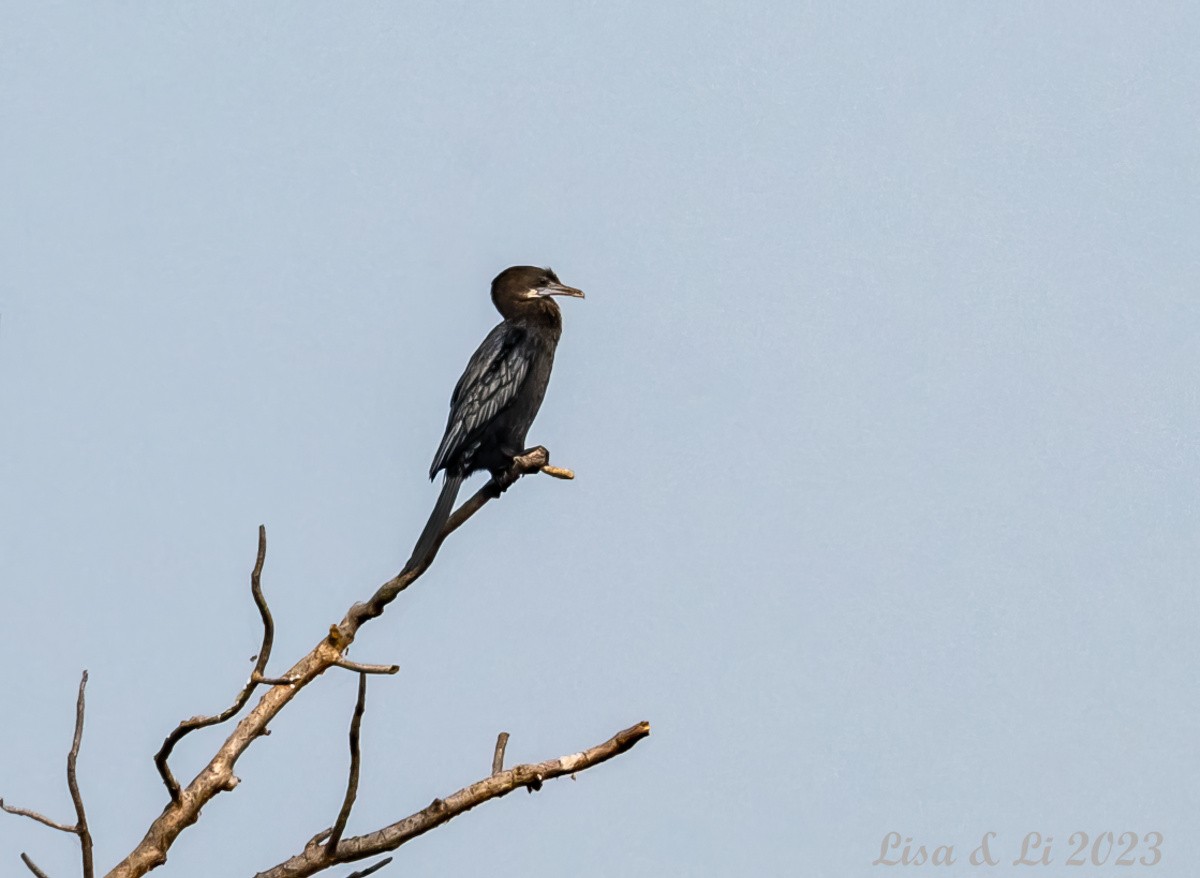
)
(217, 776)
(319, 837)
(363, 873)
(498, 755)
(339, 825)
(366, 669)
(316, 859)
(34, 815)
(256, 677)
(81, 826)
(271, 681)
(32, 866)
(558, 472)
(531, 461)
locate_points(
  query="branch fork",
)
(81, 825)
(329, 847)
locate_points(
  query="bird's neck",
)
(542, 313)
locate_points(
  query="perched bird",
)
(498, 396)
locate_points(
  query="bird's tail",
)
(437, 520)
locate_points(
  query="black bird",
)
(498, 396)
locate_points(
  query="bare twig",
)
(80, 828)
(272, 681)
(217, 776)
(81, 825)
(256, 676)
(498, 755)
(316, 859)
(558, 472)
(34, 815)
(32, 866)
(320, 837)
(371, 870)
(339, 825)
(366, 669)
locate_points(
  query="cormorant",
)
(498, 396)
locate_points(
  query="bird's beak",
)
(557, 289)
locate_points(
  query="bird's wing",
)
(489, 384)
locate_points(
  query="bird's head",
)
(523, 287)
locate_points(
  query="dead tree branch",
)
(32, 866)
(256, 677)
(360, 668)
(217, 776)
(81, 827)
(498, 754)
(339, 825)
(316, 858)
(34, 815)
(371, 870)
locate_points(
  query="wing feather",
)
(488, 386)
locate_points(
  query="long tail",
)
(437, 520)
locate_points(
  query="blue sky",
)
(882, 404)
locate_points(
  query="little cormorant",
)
(498, 396)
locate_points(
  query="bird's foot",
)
(531, 460)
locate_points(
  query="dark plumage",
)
(499, 394)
